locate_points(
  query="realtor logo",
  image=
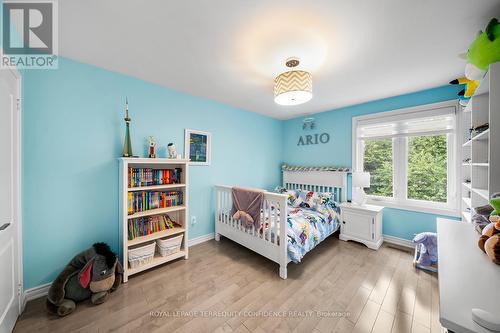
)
(29, 35)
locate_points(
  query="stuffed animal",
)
(489, 241)
(427, 247)
(495, 203)
(468, 92)
(93, 273)
(483, 51)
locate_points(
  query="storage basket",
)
(167, 246)
(141, 255)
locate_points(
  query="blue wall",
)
(338, 151)
(73, 133)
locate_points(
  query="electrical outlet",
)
(193, 220)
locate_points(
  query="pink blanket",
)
(246, 205)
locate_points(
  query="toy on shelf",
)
(489, 241)
(483, 51)
(91, 274)
(171, 150)
(127, 145)
(495, 203)
(470, 88)
(152, 147)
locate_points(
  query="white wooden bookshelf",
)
(178, 213)
(481, 173)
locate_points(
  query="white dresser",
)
(467, 277)
(362, 223)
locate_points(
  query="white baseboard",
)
(34, 293)
(399, 241)
(42, 290)
(201, 239)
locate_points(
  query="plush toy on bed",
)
(426, 243)
(93, 273)
(483, 51)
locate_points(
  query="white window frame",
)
(400, 153)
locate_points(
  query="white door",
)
(9, 204)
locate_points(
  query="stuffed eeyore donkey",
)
(93, 273)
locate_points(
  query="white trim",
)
(399, 199)
(187, 132)
(19, 237)
(399, 241)
(201, 239)
(426, 207)
(35, 293)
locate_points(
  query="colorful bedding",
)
(306, 229)
(311, 217)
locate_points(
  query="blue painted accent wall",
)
(338, 151)
(73, 132)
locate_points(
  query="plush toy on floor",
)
(426, 254)
(483, 51)
(93, 273)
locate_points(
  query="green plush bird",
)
(483, 51)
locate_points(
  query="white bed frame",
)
(317, 181)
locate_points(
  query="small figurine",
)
(171, 150)
(152, 147)
(127, 146)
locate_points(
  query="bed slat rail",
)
(271, 241)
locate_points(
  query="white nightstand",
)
(362, 223)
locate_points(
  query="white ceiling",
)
(230, 50)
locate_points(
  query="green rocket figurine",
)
(127, 146)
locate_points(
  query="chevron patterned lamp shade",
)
(293, 88)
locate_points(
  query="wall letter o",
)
(324, 137)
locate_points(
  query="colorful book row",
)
(146, 200)
(148, 225)
(147, 176)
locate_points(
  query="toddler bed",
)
(291, 223)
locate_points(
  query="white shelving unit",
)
(481, 172)
(178, 213)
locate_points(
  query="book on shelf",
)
(143, 226)
(147, 176)
(146, 200)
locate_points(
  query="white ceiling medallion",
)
(293, 87)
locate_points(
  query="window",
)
(427, 168)
(378, 162)
(410, 155)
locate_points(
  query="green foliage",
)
(427, 167)
(378, 162)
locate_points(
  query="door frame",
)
(18, 150)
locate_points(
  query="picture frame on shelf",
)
(197, 147)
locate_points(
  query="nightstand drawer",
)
(358, 224)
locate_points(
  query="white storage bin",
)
(141, 255)
(169, 246)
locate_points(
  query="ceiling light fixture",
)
(293, 87)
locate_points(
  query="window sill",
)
(414, 208)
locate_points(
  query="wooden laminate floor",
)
(223, 287)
